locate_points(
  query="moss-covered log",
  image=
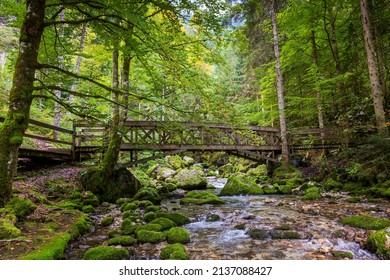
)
(20, 98)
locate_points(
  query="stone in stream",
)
(190, 179)
(241, 185)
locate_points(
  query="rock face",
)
(193, 179)
(121, 184)
(240, 185)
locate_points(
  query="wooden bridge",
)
(253, 142)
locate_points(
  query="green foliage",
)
(366, 222)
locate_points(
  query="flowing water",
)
(320, 233)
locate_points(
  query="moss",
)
(379, 243)
(282, 173)
(150, 194)
(240, 226)
(178, 235)
(366, 222)
(331, 184)
(342, 255)
(149, 216)
(284, 227)
(122, 240)
(241, 185)
(213, 218)
(106, 253)
(81, 226)
(270, 190)
(178, 218)
(174, 251)
(200, 198)
(284, 189)
(353, 187)
(143, 204)
(113, 233)
(88, 198)
(106, 221)
(128, 206)
(192, 179)
(8, 230)
(142, 177)
(123, 200)
(312, 193)
(52, 250)
(127, 226)
(153, 208)
(147, 236)
(226, 170)
(275, 234)
(69, 205)
(259, 173)
(258, 234)
(150, 227)
(21, 207)
(88, 209)
(176, 162)
(164, 223)
(354, 199)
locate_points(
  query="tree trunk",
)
(373, 69)
(279, 85)
(79, 59)
(318, 91)
(16, 122)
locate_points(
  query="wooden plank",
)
(47, 139)
(140, 147)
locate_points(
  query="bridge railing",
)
(60, 146)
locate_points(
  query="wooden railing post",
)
(73, 151)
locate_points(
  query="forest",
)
(250, 125)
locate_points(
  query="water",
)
(228, 239)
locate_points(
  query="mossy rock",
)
(52, 250)
(284, 189)
(178, 235)
(291, 172)
(212, 218)
(270, 190)
(259, 234)
(122, 241)
(141, 177)
(366, 222)
(106, 221)
(259, 173)
(153, 208)
(150, 194)
(379, 243)
(342, 255)
(312, 193)
(128, 206)
(276, 234)
(190, 179)
(332, 184)
(164, 223)
(127, 226)
(21, 207)
(121, 183)
(218, 159)
(178, 218)
(201, 197)
(143, 204)
(166, 173)
(8, 229)
(241, 185)
(82, 225)
(149, 227)
(123, 200)
(69, 205)
(353, 199)
(226, 171)
(174, 252)
(176, 162)
(148, 236)
(88, 198)
(150, 216)
(113, 233)
(354, 187)
(106, 253)
(88, 209)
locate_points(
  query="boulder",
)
(379, 243)
(241, 185)
(165, 173)
(193, 179)
(178, 235)
(106, 253)
(149, 194)
(201, 197)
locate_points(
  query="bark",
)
(20, 98)
(318, 91)
(79, 59)
(279, 85)
(373, 69)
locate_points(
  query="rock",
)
(176, 162)
(226, 170)
(219, 159)
(189, 160)
(259, 173)
(366, 222)
(240, 185)
(149, 194)
(166, 173)
(147, 236)
(201, 197)
(106, 221)
(178, 218)
(21, 207)
(8, 230)
(212, 218)
(164, 223)
(174, 252)
(106, 253)
(193, 179)
(312, 193)
(122, 241)
(379, 243)
(178, 235)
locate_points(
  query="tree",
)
(373, 69)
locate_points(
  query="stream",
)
(320, 233)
